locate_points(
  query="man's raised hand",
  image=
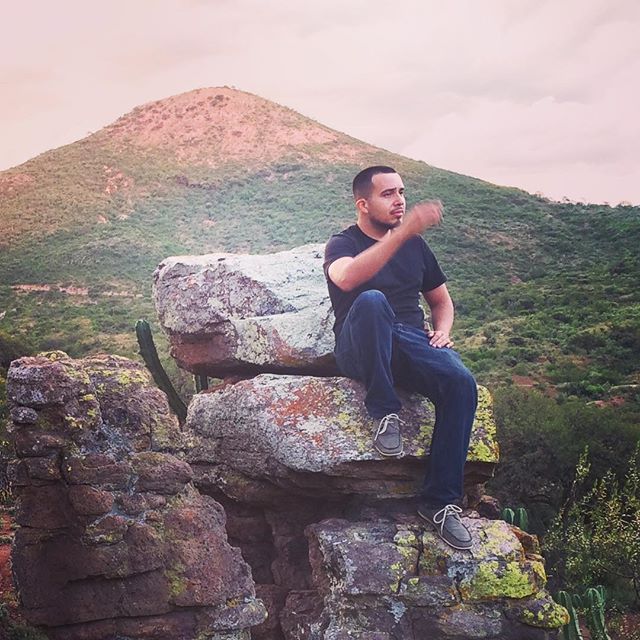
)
(422, 216)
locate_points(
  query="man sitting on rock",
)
(375, 271)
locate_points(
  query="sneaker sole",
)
(437, 531)
(389, 454)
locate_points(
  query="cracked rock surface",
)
(398, 580)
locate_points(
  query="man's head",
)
(362, 183)
(379, 197)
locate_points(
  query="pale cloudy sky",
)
(539, 94)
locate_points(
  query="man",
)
(376, 270)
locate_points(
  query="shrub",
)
(596, 536)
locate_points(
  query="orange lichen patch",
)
(312, 400)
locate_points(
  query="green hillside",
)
(543, 290)
(546, 293)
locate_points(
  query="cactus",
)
(595, 598)
(570, 631)
(201, 383)
(150, 357)
(508, 515)
(519, 517)
(522, 519)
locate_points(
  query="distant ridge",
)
(107, 172)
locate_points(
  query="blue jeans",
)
(380, 352)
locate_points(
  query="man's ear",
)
(361, 205)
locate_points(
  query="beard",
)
(383, 225)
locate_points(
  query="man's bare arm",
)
(442, 315)
(349, 273)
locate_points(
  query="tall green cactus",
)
(150, 356)
(571, 630)
(595, 598)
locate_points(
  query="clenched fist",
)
(422, 216)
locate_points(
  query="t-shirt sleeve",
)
(339, 246)
(433, 274)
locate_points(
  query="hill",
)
(546, 292)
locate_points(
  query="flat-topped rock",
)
(245, 314)
(308, 435)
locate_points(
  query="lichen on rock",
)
(114, 540)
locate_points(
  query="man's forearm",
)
(365, 265)
(442, 316)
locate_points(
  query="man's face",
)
(385, 206)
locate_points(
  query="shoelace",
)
(450, 510)
(384, 423)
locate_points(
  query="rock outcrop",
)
(227, 314)
(271, 498)
(387, 580)
(113, 539)
(329, 526)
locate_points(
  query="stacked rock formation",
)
(328, 526)
(114, 541)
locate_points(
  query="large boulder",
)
(273, 436)
(113, 538)
(245, 314)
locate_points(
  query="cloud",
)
(499, 88)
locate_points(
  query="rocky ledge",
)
(303, 435)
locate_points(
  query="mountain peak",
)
(216, 125)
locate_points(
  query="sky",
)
(537, 94)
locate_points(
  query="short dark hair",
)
(362, 182)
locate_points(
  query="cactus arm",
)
(522, 519)
(571, 630)
(595, 613)
(150, 356)
(508, 515)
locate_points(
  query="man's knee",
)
(372, 301)
(459, 379)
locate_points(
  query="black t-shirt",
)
(412, 269)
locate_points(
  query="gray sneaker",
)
(388, 439)
(446, 521)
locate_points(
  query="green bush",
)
(541, 439)
(596, 536)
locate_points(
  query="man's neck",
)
(374, 232)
